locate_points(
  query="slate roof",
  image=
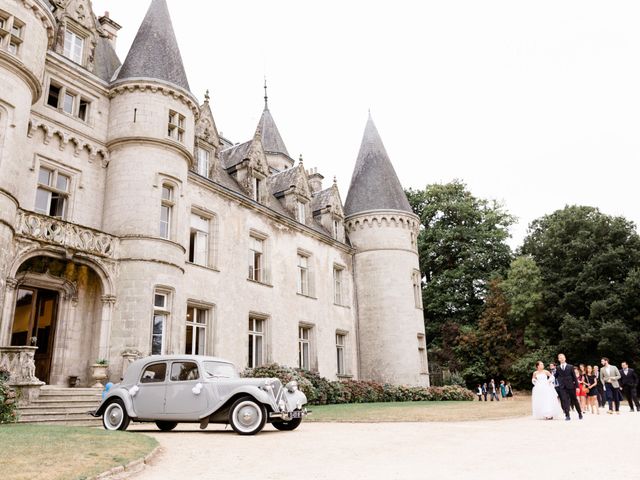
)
(154, 52)
(236, 154)
(271, 140)
(321, 199)
(283, 180)
(107, 61)
(374, 183)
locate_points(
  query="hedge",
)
(8, 412)
(320, 391)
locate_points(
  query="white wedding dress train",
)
(544, 399)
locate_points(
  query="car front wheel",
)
(166, 426)
(115, 416)
(288, 425)
(247, 417)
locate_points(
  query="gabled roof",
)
(154, 52)
(283, 180)
(271, 140)
(236, 154)
(374, 184)
(107, 61)
(329, 197)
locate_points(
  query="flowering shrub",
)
(7, 400)
(320, 391)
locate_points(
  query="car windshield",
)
(219, 369)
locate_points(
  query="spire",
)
(266, 97)
(271, 140)
(374, 184)
(154, 52)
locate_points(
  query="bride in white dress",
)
(544, 399)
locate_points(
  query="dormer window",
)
(257, 189)
(73, 47)
(301, 211)
(203, 157)
(336, 229)
(176, 126)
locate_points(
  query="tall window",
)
(52, 195)
(422, 352)
(256, 342)
(301, 211)
(176, 126)
(303, 274)
(417, 288)
(340, 346)
(336, 229)
(304, 347)
(166, 210)
(203, 162)
(257, 189)
(338, 286)
(160, 320)
(73, 46)
(256, 259)
(196, 341)
(199, 240)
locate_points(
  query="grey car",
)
(172, 389)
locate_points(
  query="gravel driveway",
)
(517, 448)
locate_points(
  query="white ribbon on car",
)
(133, 390)
(197, 389)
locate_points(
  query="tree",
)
(462, 245)
(589, 263)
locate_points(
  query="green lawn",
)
(66, 453)
(420, 411)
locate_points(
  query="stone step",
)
(46, 391)
(59, 406)
(92, 422)
(56, 417)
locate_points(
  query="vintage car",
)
(172, 389)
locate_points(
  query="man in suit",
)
(629, 383)
(609, 374)
(567, 385)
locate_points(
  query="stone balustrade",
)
(69, 235)
(19, 362)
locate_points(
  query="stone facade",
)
(129, 226)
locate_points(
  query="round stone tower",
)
(26, 33)
(151, 140)
(383, 229)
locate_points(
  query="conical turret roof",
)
(271, 140)
(374, 183)
(154, 52)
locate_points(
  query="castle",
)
(130, 227)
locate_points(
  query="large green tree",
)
(590, 269)
(462, 245)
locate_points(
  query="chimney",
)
(110, 27)
(315, 180)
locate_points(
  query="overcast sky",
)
(535, 104)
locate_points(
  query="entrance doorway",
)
(34, 324)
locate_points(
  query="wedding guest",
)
(484, 391)
(479, 392)
(581, 391)
(509, 390)
(629, 383)
(599, 387)
(503, 389)
(493, 391)
(610, 376)
(591, 383)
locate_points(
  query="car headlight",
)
(292, 386)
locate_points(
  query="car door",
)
(186, 397)
(149, 398)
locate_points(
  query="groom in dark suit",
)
(567, 385)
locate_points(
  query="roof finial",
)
(206, 96)
(300, 159)
(335, 180)
(266, 97)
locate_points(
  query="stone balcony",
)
(66, 234)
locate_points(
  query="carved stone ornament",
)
(19, 362)
(55, 231)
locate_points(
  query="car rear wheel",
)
(166, 426)
(246, 416)
(115, 416)
(288, 425)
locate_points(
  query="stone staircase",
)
(63, 406)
